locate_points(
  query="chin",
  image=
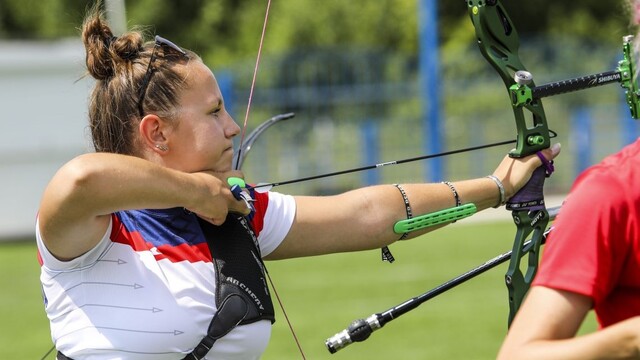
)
(223, 167)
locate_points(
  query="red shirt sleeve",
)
(586, 249)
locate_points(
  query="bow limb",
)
(243, 151)
(499, 43)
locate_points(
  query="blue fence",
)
(360, 107)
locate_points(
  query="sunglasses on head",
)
(161, 44)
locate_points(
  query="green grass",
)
(24, 328)
(322, 295)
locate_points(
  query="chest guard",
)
(240, 272)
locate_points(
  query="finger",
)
(216, 222)
(240, 207)
(234, 174)
(555, 149)
(549, 154)
(545, 158)
(552, 152)
(213, 220)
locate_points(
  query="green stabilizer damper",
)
(434, 218)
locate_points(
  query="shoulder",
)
(611, 182)
(52, 261)
(275, 214)
(272, 205)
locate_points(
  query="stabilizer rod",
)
(360, 330)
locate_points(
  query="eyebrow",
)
(217, 105)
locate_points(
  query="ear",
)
(154, 131)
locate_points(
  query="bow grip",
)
(531, 195)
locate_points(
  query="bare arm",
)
(363, 219)
(77, 203)
(545, 326)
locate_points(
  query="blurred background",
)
(368, 81)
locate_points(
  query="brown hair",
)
(119, 65)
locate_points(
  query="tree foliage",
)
(332, 42)
(228, 30)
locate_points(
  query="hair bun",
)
(105, 53)
(128, 46)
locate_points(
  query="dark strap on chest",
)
(239, 267)
(242, 294)
(61, 356)
(230, 313)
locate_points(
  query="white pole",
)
(116, 15)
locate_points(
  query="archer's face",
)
(202, 137)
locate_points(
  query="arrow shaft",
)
(388, 163)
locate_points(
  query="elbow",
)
(66, 196)
(375, 223)
(504, 355)
(76, 181)
(511, 353)
(79, 174)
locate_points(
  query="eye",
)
(217, 109)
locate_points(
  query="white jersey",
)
(147, 290)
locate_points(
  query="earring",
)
(162, 147)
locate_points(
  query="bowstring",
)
(293, 332)
(253, 83)
(239, 156)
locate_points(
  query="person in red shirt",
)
(591, 261)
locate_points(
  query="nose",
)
(231, 128)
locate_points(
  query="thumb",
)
(552, 152)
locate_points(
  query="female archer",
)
(147, 254)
